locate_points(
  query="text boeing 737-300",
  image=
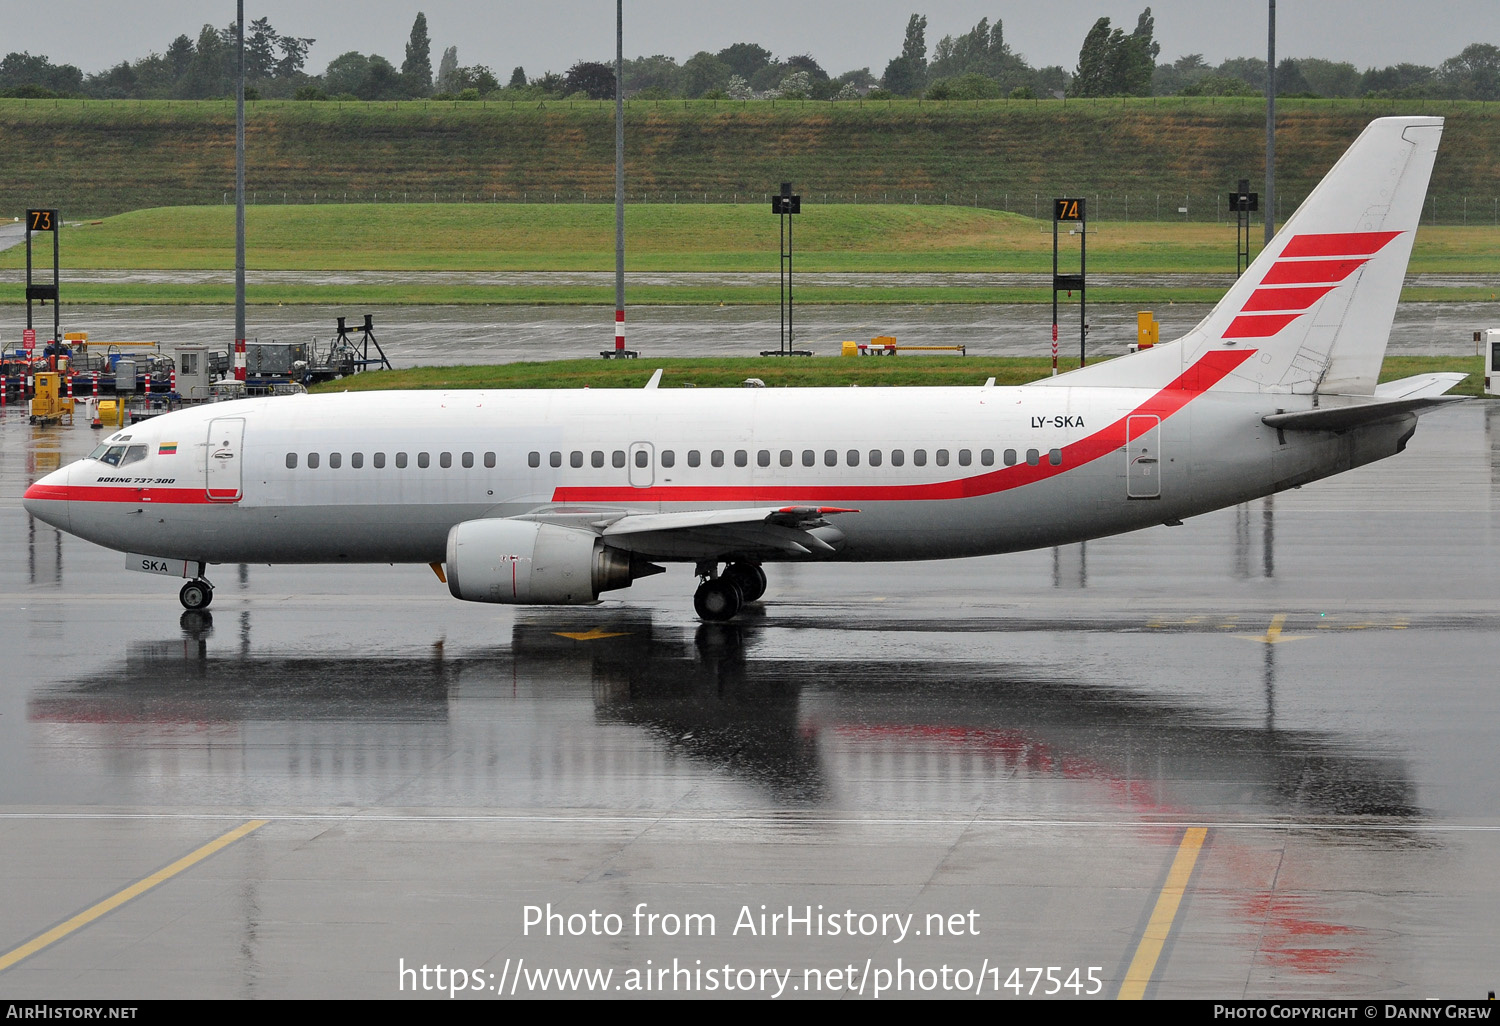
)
(546, 497)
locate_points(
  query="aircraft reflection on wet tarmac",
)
(838, 733)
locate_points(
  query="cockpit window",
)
(98, 454)
(112, 455)
(134, 454)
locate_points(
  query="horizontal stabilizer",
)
(1418, 386)
(1343, 418)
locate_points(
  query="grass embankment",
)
(717, 238)
(1130, 156)
(783, 372)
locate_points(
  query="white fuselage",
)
(933, 472)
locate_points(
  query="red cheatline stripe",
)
(1338, 244)
(106, 493)
(1286, 299)
(1193, 382)
(1258, 325)
(1310, 272)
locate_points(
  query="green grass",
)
(726, 239)
(830, 372)
(94, 294)
(669, 237)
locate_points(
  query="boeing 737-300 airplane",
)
(548, 497)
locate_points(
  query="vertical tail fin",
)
(1316, 305)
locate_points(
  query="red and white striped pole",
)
(4, 388)
(70, 383)
(96, 384)
(239, 360)
(172, 383)
(148, 384)
(619, 331)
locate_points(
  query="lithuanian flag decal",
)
(167, 449)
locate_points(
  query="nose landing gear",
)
(196, 594)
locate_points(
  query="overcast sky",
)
(841, 34)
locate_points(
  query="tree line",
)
(978, 64)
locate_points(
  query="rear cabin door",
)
(1143, 457)
(225, 456)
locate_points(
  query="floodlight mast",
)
(620, 351)
(1269, 217)
(239, 195)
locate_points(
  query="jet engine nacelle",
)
(527, 563)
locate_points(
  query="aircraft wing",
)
(1417, 394)
(710, 533)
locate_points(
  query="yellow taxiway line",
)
(135, 890)
(1162, 917)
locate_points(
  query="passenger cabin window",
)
(554, 460)
(809, 458)
(898, 457)
(357, 460)
(942, 457)
(763, 458)
(875, 459)
(1033, 458)
(965, 457)
(291, 461)
(400, 461)
(575, 459)
(596, 458)
(668, 459)
(1010, 457)
(919, 457)
(853, 457)
(379, 461)
(534, 459)
(489, 460)
(468, 460)
(1054, 456)
(717, 458)
(335, 460)
(741, 458)
(642, 459)
(617, 458)
(695, 458)
(312, 461)
(424, 460)
(987, 457)
(830, 457)
(445, 460)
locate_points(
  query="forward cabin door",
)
(225, 456)
(1143, 457)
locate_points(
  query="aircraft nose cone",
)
(47, 500)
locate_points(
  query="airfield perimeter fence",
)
(501, 149)
(1123, 207)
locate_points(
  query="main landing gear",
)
(721, 596)
(196, 594)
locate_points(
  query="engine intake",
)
(521, 562)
